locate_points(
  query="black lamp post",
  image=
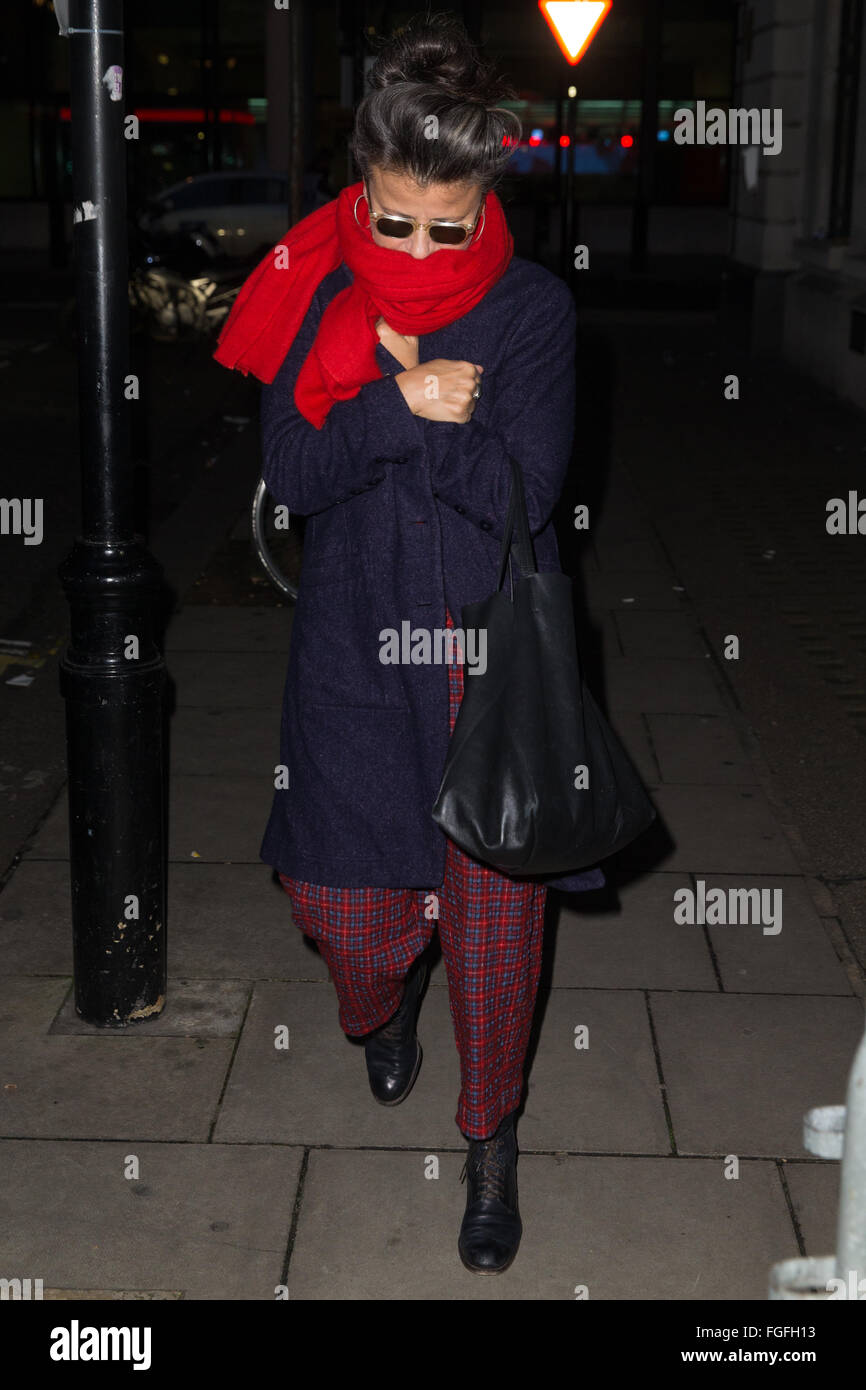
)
(112, 674)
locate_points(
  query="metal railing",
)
(836, 1131)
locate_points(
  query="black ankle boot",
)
(393, 1051)
(491, 1229)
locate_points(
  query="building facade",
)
(798, 219)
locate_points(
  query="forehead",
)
(400, 193)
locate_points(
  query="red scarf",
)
(413, 296)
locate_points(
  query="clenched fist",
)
(441, 389)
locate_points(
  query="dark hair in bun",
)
(432, 111)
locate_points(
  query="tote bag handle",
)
(517, 514)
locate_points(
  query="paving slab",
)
(51, 840)
(198, 628)
(627, 590)
(640, 946)
(814, 1189)
(193, 1009)
(670, 686)
(639, 553)
(598, 634)
(221, 741)
(101, 1088)
(799, 959)
(650, 634)
(739, 578)
(248, 679)
(601, 1096)
(634, 735)
(206, 1221)
(224, 921)
(699, 748)
(617, 519)
(612, 1228)
(714, 829)
(742, 1070)
(28, 1005)
(851, 898)
(121, 1082)
(219, 818)
(316, 1092)
(234, 920)
(36, 919)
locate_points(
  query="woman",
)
(408, 352)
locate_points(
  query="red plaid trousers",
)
(490, 931)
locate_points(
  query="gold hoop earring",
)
(355, 212)
(476, 239)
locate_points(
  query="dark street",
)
(719, 466)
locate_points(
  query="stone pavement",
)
(661, 1161)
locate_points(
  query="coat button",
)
(486, 525)
(461, 510)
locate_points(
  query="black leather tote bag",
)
(535, 780)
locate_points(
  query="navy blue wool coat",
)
(403, 516)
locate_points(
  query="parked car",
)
(244, 213)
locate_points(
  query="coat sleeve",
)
(533, 419)
(309, 469)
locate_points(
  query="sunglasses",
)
(440, 230)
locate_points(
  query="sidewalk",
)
(261, 1167)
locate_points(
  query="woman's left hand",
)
(405, 349)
